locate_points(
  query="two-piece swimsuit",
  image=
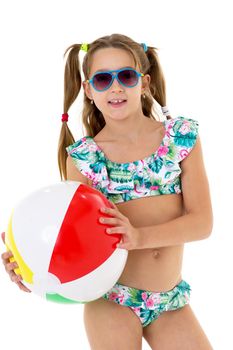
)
(154, 175)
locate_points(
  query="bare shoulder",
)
(74, 174)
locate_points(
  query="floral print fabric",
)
(149, 305)
(154, 175)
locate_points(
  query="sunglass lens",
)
(128, 77)
(102, 80)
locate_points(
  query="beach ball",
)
(63, 252)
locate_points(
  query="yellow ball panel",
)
(23, 269)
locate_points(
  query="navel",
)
(156, 253)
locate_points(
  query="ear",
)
(145, 82)
(86, 87)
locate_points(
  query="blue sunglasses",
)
(102, 81)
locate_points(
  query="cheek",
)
(96, 96)
(135, 96)
(99, 101)
(135, 92)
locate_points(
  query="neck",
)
(130, 128)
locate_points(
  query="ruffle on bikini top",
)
(155, 174)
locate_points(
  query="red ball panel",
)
(82, 243)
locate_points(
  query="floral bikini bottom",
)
(149, 305)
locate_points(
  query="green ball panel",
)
(60, 299)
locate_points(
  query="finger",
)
(123, 244)
(23, 287)
(118, 229)
(3, 237)
(126, 246)
(12, 275)
(7, 255)
(11, 266)
(110, 221)
(16, 278)
(113, 212)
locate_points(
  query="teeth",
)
(116, 101)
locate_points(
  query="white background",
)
(195, 50)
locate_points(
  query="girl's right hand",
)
(9, 267)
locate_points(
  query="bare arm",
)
(197, 223)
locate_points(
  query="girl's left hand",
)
(131, 237)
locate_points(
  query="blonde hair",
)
(92, 118)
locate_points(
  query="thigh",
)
(110, 326)
(177, 330)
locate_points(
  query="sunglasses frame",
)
(117, 71)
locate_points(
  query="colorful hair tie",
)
(84, 47)
(145, 48)
(64, 117)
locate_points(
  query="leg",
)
(176, 328)
(110, 326)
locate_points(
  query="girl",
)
(153, 173)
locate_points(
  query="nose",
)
(116, 86)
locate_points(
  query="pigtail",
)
(72, 76)
(72, 85)
(157, 83)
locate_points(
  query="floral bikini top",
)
(154, 175)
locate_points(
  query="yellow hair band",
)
(84, 47)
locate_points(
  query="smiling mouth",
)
(117, 102)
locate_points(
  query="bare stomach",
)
(155, 269)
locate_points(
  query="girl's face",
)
(112, 59)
